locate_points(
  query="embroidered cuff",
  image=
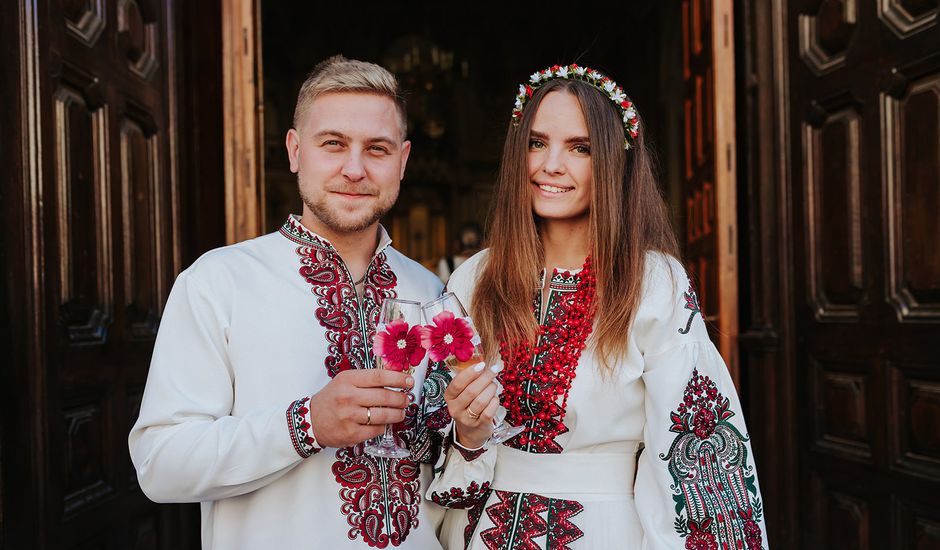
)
(468, 454)
(456, 497)
(301, 432)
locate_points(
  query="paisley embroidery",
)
(714, 488)
(380, 497)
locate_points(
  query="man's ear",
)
(405, 151)
(292, 141)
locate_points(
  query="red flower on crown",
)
(398, 345)
(448, 336)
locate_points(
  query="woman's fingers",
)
(482, 401)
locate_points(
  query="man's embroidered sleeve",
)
(186, 445)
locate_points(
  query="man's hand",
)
(356, 406)
(472, 403)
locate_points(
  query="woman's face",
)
(559, 159)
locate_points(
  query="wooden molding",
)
(726, 180)
(243, 119)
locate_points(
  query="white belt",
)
(609, 473)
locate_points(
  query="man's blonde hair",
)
(338, 74)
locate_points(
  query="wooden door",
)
(709, 180)
(93, 214)
(863, 95)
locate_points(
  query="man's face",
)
(349, 158)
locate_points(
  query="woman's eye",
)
(536, 144)
(582, 149)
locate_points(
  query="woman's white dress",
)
(656, 456)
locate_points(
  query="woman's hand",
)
(472, 402)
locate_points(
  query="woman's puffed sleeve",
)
(696, 483)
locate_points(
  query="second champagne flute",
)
(451, 337)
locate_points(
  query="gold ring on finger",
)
(368, 416)
(472, 414)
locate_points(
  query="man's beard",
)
(332, 220)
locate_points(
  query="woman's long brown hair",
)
(628, 218)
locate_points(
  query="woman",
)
(605, 353)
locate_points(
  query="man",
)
(262, 389)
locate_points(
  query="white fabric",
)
(608, 419)
(239, 342)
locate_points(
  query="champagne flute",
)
(397, 346)
(451, 337)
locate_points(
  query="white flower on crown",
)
(522, 90)
(562, 72)
(617, 96)
(609, 86)
(629, 114)
(518, 103)
(535, 78)
(580, 71)
(546, 74)
(594, 75)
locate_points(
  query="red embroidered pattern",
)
(299, 428)
(458, 498)
(715, 489)
(380, 497)
(517, 522)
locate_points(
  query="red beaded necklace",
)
(531, 391)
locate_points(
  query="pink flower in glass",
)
(448, 336)
(398, 345)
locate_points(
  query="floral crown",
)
(631, 123)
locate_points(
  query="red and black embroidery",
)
(458, 498)
(715, 490)
(521, 518)
(381, 513)
(380, 497)
(691, 303)
(300, 436)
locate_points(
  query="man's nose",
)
(353, 168)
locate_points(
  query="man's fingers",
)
(381, 397)
(382, 416)
(381, 378)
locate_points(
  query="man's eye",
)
(331, 143)
(378, 149)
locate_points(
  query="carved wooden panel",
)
(825, 35)
(84, 19)
(847, 524)
(906, 17)
(915, 526)
(82, 199)
(833, 210)
(137, 35)
(915, 403)
(912, 159)
(86, 456)
(840, 394)
(140, 177)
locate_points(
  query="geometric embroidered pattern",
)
(521, 518)
(304, 444)
(714, 488)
